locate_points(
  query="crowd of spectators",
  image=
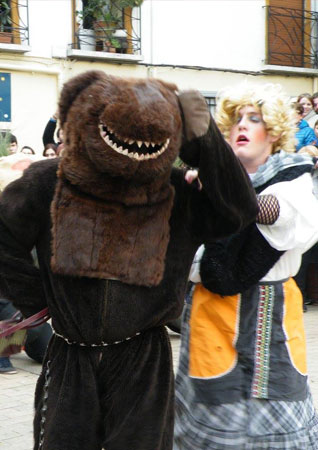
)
(37, 338)
(306, 108)
(51, 147)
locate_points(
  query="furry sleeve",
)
(22, 211)
(227, 202)
(232, 265)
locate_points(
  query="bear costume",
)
(115, 228)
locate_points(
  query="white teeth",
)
(133, 155)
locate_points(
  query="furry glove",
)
(196, 114)
(196, 119)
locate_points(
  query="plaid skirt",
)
(251, 424)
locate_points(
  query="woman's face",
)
(306, 104)
(250, 140)
(50, 153)
(27, 151)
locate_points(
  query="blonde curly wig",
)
(275, 106)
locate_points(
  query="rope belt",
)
(102, 344)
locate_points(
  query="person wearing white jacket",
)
(242, 378)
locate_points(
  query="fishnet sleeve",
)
(268, 209)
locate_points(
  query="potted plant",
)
(85, 31)
(105, 17)
(97, 22)
(86, 39)
(112, 45)
(5, 23)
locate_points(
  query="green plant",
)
(128, 3)
(5, 139)
(5, 16)
(105, 10)
(115, 43)
(105, 17)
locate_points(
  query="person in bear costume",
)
(116, 227)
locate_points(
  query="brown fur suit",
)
(115, 229)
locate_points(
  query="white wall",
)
(223, 34)
(33, 102)
(208, 33)
(50, 25)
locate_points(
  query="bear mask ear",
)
(73, 87)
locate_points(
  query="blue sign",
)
(5, 97)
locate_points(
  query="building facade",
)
(201, 44)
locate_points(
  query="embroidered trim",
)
(262, 341)
(44, 404)
(102, 344)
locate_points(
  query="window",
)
(291, 34)
(210, 98)
(108, 26)
(14, 22)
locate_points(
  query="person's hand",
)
(191, 176)
(55, 116)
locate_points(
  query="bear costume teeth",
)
(134, 149)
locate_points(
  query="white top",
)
(295, 230)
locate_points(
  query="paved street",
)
(16, 391)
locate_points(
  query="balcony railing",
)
(292, 37)
(120, 36)
(14, 22)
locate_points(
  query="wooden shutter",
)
(15, 21)
(285, 27)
